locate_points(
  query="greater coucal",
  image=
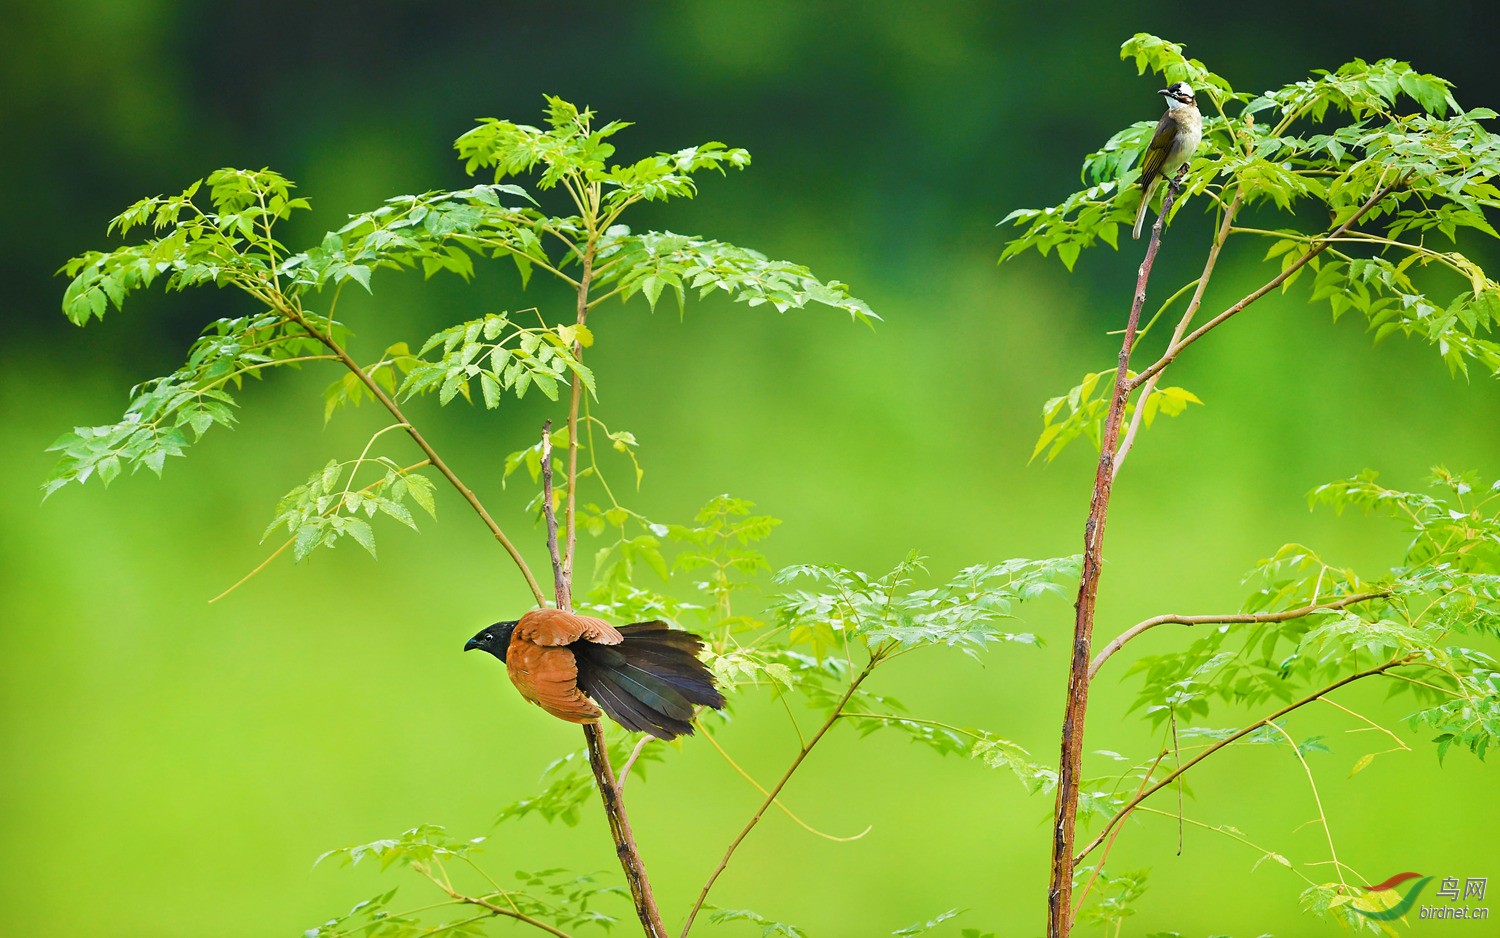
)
(646, 676)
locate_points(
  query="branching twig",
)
(1060, 887)
(293, 539)
(624, 838)
(635, 754)
(1099, 867)
(776, 790)
(1232, 619)
(1338, 868)
(491, 907)
(1401, 745)
(1232, 835)
(1166, 780)
(296, 315)
(565, 599)
(1176, 348)
(1182, 325)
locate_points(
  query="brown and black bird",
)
(1177, 135)
(646, 676)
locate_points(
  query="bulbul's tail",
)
(1140, 213)
(651, 681)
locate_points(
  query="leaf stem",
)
(761, 788)
(565, 599)
(1099, 867)
(291, 540)
(550, 511)
(1333, 852)
(494, 909)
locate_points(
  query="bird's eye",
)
(487, 637)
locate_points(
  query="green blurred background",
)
(173, 767)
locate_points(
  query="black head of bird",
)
(1179, 94)
(495, 639)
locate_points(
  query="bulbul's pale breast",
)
(1189, 135)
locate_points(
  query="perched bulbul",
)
(1177, 135)
(646, 676)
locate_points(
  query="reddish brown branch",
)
(1172, 776)
(1231, 619)
(1065, 814)
(619, 828)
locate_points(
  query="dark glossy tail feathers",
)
(651, 681)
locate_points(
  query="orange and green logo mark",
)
(1407, 901)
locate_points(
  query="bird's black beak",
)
(1166, 91)
(471, 644)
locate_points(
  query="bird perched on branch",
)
(647, 676)
(1177, 135)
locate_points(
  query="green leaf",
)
(361, 532)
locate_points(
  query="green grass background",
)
(173, 767)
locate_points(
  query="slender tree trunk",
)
(1065, 814)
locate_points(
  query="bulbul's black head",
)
(495, 639)
(1180, 92)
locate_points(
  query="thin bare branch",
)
(1312, 783)
(624, 838)
(565, 599)
(291, 540)
(1230, 619)
(1099, 867)
(494, 909)
(550, 511)
(635, 754)
(1166, 780)
(1401, 745)
(610, 789)
(775, 791)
